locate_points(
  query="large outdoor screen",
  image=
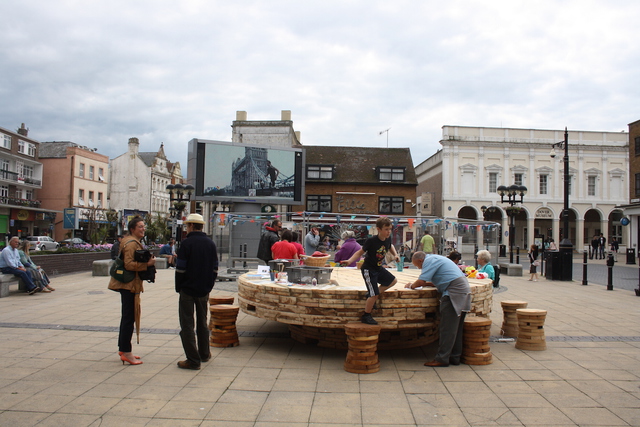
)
(225, 171)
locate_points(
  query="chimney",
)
(285, 115)
(241, 116)
(297, 133)
(23, 130)
(134, 145)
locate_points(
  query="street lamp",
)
(179, 196)
(566, 247)
(512, 192)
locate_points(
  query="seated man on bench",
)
(10, 264)
(168, 251)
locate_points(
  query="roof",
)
(358, 164)
(148, 157)
(58, 149)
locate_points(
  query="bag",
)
(142, 255)
(118, 272)
(536, 263)
(149, 274)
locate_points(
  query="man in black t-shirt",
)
(375, 249)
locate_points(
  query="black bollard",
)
(610, 276)
(584, 269)
(517, 254)
(638, 290)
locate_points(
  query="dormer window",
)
(387, 173)
(319, 171)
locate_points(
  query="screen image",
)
(250, 173)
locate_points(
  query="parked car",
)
(43, 243)
(72, 241)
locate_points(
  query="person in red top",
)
(284, 249)
(298, 246)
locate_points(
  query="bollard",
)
(610, 276)
(517, 254)
(638, 290)
(584, 269)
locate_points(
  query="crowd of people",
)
(15, 259)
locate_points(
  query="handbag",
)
(118, 272)
(143, 255)
(536, 263)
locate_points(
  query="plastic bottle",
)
(314, 281)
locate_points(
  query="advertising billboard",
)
(225, 171)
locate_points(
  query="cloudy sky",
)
(98, 72)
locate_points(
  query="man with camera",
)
(196, 273)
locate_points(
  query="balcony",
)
(31, 181)
(8, 176)
(20, 202)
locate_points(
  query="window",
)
(570, 179)
(18, 193)
(27, 171)
(517, 178)
(4, 191)
(90, 198)
(99, 200)
(389, 205)
(20, 169)
(317, 203)
(101, 175)
(81, 197)
(638, 184)
(493, 182)
(31, 150)
(81, 171)
(4, 164)
(92, 170)
(319, 172)
(21, 147)
(591, 185)
(28, 194)
(637, 141)
(6, 141)
(390, 174)
(544, 179)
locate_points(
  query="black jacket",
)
(196, 265)
(268, 238)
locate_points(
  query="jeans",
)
(24, 275)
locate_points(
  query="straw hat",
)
(194, 219)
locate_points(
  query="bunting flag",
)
(338, 217)
(395, 222)
(367, 219)
(410, 221)
(353, 217)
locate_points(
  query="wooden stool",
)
(223, 326)
(475, 341)
(362, 356)
(510, 322)
(531, 329)
(220, 300)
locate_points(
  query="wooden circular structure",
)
(317, 314)
(510, 322)
(223, 325)
(475, 342)
(362, 357)
(531, 329)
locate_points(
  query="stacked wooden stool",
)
(475, 341)
(510, 322)
(531, 329)
(362, 356)
(220, 300)
(223, 325)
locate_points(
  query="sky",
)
(99, 72)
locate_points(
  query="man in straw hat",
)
(196, 272)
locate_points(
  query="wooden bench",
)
(5, 281)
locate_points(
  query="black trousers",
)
(127, 321)
(194, 335)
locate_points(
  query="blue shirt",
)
(166, 250)
(440, 271)
(10, 257)
(488, 268)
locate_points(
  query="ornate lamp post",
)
(512, 192)
(179, 196)
(566, 247)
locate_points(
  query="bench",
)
(5, 281)
(100, 267)
(162, 263)
(509, 269)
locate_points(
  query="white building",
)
(138, 180)
(475, 161)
